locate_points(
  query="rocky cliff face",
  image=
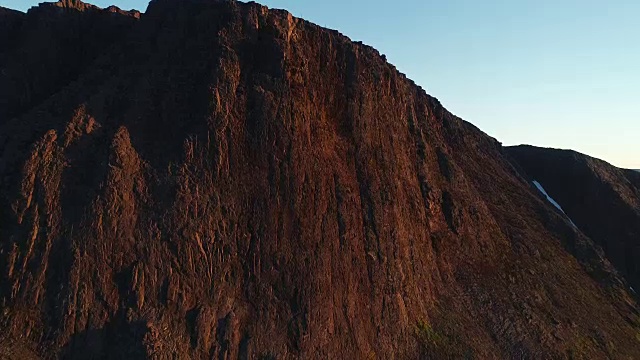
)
(47, 48)
(229, 181)
(10, 21)
(602, 200)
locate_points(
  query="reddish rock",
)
(227, 181)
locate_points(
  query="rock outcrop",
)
(220, 180)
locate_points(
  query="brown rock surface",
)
(228, 181)
(601, 199)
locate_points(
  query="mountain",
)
(601, 199)
(214, 179)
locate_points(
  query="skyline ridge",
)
(521, 76)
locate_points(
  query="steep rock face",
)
(10, 21)
(48, 47)
(601, 199)
(234, 182)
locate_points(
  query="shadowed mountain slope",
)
(228, 181)
(10, 21)
(47, 48)
(601, 199)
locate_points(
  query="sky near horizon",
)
(552, 73)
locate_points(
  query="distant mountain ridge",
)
(603, 200)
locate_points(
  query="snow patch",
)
(553, 202)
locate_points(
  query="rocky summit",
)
(215, 179)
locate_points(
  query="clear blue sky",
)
(557, 73)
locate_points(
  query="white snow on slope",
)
(553, 202)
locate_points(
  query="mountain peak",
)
(80, 6)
